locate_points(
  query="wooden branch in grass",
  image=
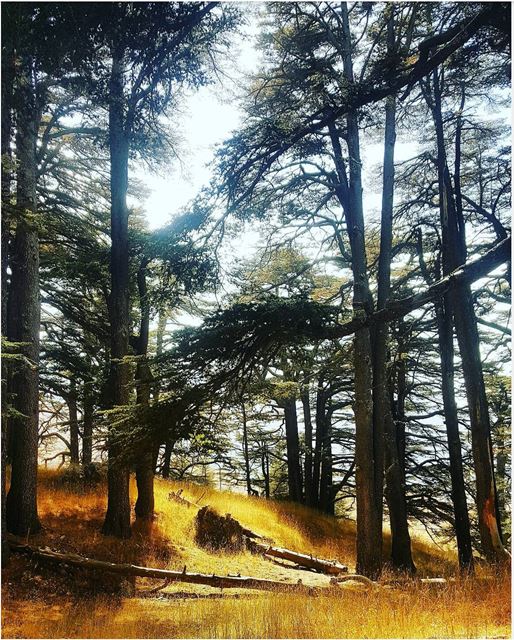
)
(223, 582)
(330, 567)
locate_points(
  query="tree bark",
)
(326, 502)
(330, 567)
(368, 442)
(318, 446)
(87, 427)
(8, 69)
(294, 473)
(161, 328)
(245, 451)
(401, 395)
(117, 519)
(307, 419)
(401, 555)
(166, 461)
(265, 470)
(74, 424)
(444, 318)
(460, 507)
(24, 317)
(145, 502)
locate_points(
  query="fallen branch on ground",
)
(330, 567)
(223, 582)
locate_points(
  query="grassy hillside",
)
(57, 606)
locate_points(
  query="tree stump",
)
(217, 532)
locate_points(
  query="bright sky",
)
(208, 117)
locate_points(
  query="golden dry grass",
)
(34, 607)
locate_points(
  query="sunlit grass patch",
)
(72, 517)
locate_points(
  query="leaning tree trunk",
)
(117, 519)
(24, 318)
(454, 254)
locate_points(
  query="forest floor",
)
(39, 603)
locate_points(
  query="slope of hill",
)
(53, 604)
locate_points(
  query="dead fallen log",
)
(222, 582)
(330, 567)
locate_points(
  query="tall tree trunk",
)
(265, 470)
(460, 507)
(326, 503)
(161, 328)
(8, 69)
(245, 451)
(318, 445)
(294, 472)
(401, 395)
(307, 419)
(454, 254)
(368, 442)
(166, 460)
(401, 555)
(24, 317)
(117, 519)
(502, 458)
(145, 502)
(87, 427)
(74, 424)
